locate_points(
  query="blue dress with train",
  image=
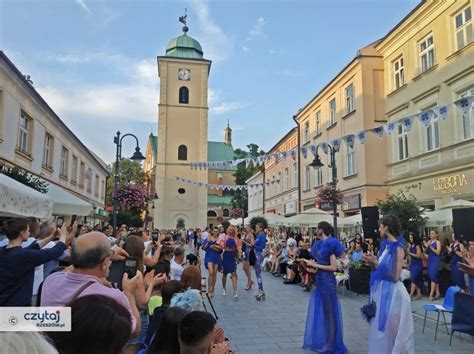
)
(324, 332)
(416, 268)
(433, 264)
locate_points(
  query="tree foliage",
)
(405, 208)
(25, 178)
(243, 173)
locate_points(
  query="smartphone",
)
(73, 220)
(131, 267)
(154, 235)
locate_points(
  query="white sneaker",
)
(236, 295)
(224, 293)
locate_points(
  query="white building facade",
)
(255, 196)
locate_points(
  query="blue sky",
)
(94, 61)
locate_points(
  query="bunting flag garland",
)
(223, 186)
(425, 118)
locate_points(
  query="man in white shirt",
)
(177, 264)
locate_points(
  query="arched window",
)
(211, 214)
(225, 213)
(182, 152)
(183, 94)
(180, 223)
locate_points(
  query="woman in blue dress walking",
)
(232, 247)
(212, 259)
(433, 250)
(323, 332)
(416, 265)
(456, 250)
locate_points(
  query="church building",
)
(183, 138)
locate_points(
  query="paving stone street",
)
(276, 325)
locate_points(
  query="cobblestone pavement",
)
(276, 325)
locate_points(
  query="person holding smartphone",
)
(456, 250)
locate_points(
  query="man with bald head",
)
(90, 257)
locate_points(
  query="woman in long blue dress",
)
(324, 332)
(391, 330)
(229, 259)
(212, 259)
(416, 266)
(456, 250)
(433, 249)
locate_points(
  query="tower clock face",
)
(184, 74)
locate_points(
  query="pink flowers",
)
(329, 194)
(132, 196)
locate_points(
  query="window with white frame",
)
(318, 122)
(74, 169)
(350, 160)
(64, 161)
(332, 112)
(318, 177)
(398, 73)
(103, 190)
(24, 133)
(47, 150)
(402, 142)
(432, 134)
(287, 179)
(279, 183)
(349, 93)
(427, 53)
(96, 186)
(468, 117)
(463, 27)
(295, 174)
(306, 132)
(307, 178)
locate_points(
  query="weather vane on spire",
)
(182, 19)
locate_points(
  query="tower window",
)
(183, 95)
(181, 191)
(182, 152)
(225, 213)
(211, 214)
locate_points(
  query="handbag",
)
(369, 310)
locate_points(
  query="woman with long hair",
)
(324, 330)
(212, 259)
(229, 260)
(416, 266)
(456, 250)
(433, 250)
(191, 278)
(391, 329)
(249, 254)
(259, 246)
(166, 340)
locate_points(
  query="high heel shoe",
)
(260, 296)
(224, 293)
(236, 295)
(249, 287)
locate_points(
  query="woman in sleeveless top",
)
(456, 250)
(247, 245)
(433, 252)
(416, 266)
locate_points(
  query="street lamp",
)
(316, 163)
(137, 156)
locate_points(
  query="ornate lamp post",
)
(317, 164)
(137, 156)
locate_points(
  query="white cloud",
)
(83, 6)
(257, 29)
(215, 43)
(217, 106)
(245, 48)
(272, 51)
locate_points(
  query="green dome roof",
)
(184, 46)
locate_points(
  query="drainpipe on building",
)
(299, 164)
(263, 174)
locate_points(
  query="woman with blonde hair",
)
(231, 246)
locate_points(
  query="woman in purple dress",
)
(323, 332)
(433, 248)
(416, 265)
(456, 250)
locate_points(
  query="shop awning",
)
(65, 203)
(274, 219)
(16, 199)
(235, 222)
(309, 218)
(349, 220)
(441, 217)
(458, 204)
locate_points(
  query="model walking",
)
(391, 330)
(229, 260)
(259, 246)
(212, 259)
(416, 266)
(433, 250)
(249, 255)
(456, 250)
(324, 331)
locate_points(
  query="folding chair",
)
(463, 315)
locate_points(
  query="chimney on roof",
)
(228, 134)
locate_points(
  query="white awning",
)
(309, 218)
(350, 220)
(441, 217)
(17, 199)
(65, 203)
(458, 204)
(235, 222)
(274, 219)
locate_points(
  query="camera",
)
(154, 235)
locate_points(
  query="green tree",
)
(243, 173)
(405, 208)
(130, 171)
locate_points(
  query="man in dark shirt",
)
(17, 264)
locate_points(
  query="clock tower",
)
(182, 134)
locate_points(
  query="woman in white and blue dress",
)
(391, 330)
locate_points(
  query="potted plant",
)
(329, 193)
(359, 277)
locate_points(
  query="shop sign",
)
(289, 208)
(450, 184)
(351, 202)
